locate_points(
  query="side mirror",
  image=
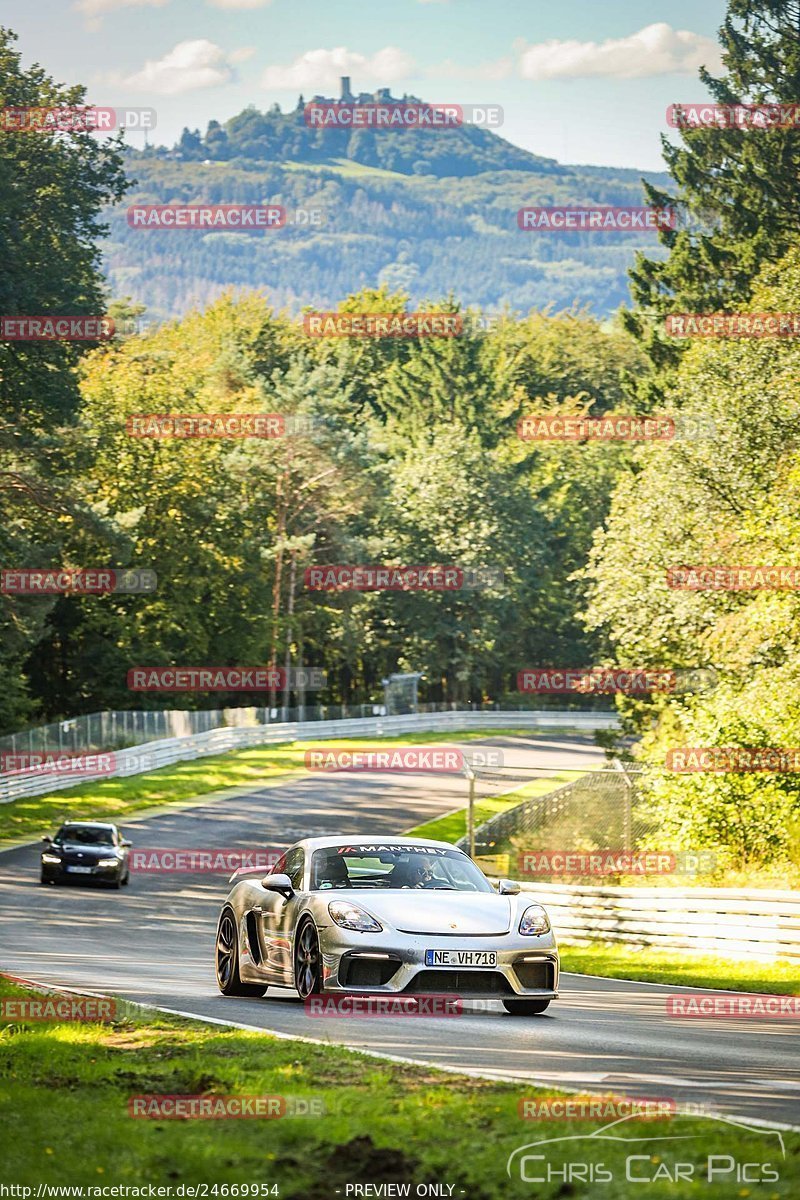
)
(125, 842)
(278, 883)
(47, 840)
(508, 887)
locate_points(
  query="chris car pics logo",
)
(732, 1153)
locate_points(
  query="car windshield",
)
(431, 868)
(85, 835)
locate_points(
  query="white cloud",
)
(187, 67)
(95, 10)
(242, 54)
(239, 3)
(655, 50)
(319, 69)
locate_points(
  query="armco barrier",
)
(729, 922)
(218, 741)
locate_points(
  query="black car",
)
(90, 850)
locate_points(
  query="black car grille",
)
(367, 972)
(462, 983)
(540, 975)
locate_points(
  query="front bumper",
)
(390, 962)
(61, 872)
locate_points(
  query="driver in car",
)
(416, 872)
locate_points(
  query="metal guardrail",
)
(730, 922)
(152, 755)
(118, 728)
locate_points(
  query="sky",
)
(582, 81)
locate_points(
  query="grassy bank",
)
(681, 967)
(453, 825)
(116, 799)
(65, 1091)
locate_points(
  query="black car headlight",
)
(108, 862)
(51, 859)
(350, 916)
(534, 920)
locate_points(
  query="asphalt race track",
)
(154, 942)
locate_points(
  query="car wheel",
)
(307, 961)
(126, 880)
(43, 880)
(116, 882)
(227, 960)
(525, 1008)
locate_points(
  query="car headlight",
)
(350, 916)
(107, 862)
(51, 858)
(534, 920)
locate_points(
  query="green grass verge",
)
(681, 967)
(65, 1091)
(116, 799)
(452, 826)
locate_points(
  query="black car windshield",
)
(430, 868)
(85, 835)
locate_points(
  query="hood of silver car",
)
(447, 914)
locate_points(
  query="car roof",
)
(92, 824)
(358, 839)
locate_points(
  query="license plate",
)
(460, 958)
(80, 870)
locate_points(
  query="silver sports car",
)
(396, 916)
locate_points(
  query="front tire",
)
(227, 960)
(307, 962)
(525, 1008)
